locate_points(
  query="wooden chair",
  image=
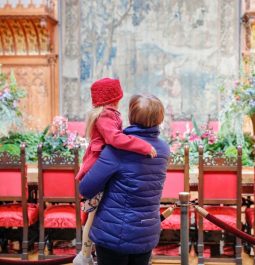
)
(177, 180)
(250, 222)
(59, 201)
(15, 211)
(219, 192)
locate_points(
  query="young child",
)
(104, 126)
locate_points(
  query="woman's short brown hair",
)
(147, 111)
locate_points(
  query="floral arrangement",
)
(212, 142)
(10, 95)
(56, 137)
(241, 96)
(59, 126)
(238, 101)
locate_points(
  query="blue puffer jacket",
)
(127, 219)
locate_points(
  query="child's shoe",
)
(82, 260)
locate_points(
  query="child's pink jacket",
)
(108, 130)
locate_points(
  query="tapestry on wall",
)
(178, 50)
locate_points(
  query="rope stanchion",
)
(55, 261)
(184, 204)
(168, 212)
(237, 232)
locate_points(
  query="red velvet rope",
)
(237, 232)
(250, 239)
(63, 260)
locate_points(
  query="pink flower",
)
(59, 125)
(193, 137)
(212, 138)
(236, 82)
(6, 90)
(71, 140)
(205, 134)
(175, 147)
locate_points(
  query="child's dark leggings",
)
(106, 256)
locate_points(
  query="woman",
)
(127, 225)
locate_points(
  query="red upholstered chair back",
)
(177, 177)
(10, 183)
(220, 179)
(220, 186)
(219, 193)
(57, 185)
(56, 177)
(13, 183)
(174, 184)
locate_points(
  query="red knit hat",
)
(105, 91)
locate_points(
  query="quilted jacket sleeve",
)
(109, 125)
(97, 177)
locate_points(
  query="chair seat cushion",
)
(60, 216)
(172, 221)
(226, 214)
(249, 216)
(11, 214)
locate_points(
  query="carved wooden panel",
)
(248, 28)
(176, 159)
(28, 45)
(7, 159)
(36, 106)
(31, 35)
(24, 36)
(58, 159)
(43, 37)
(7, 38)
(19, 33)
(220, 161)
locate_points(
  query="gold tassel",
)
(167, 212)
(201, 210)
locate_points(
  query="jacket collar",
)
(112, 108)
(139, 130)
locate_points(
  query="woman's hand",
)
(153, 152)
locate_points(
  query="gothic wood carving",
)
(28, 45)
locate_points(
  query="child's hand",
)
(153, 152)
